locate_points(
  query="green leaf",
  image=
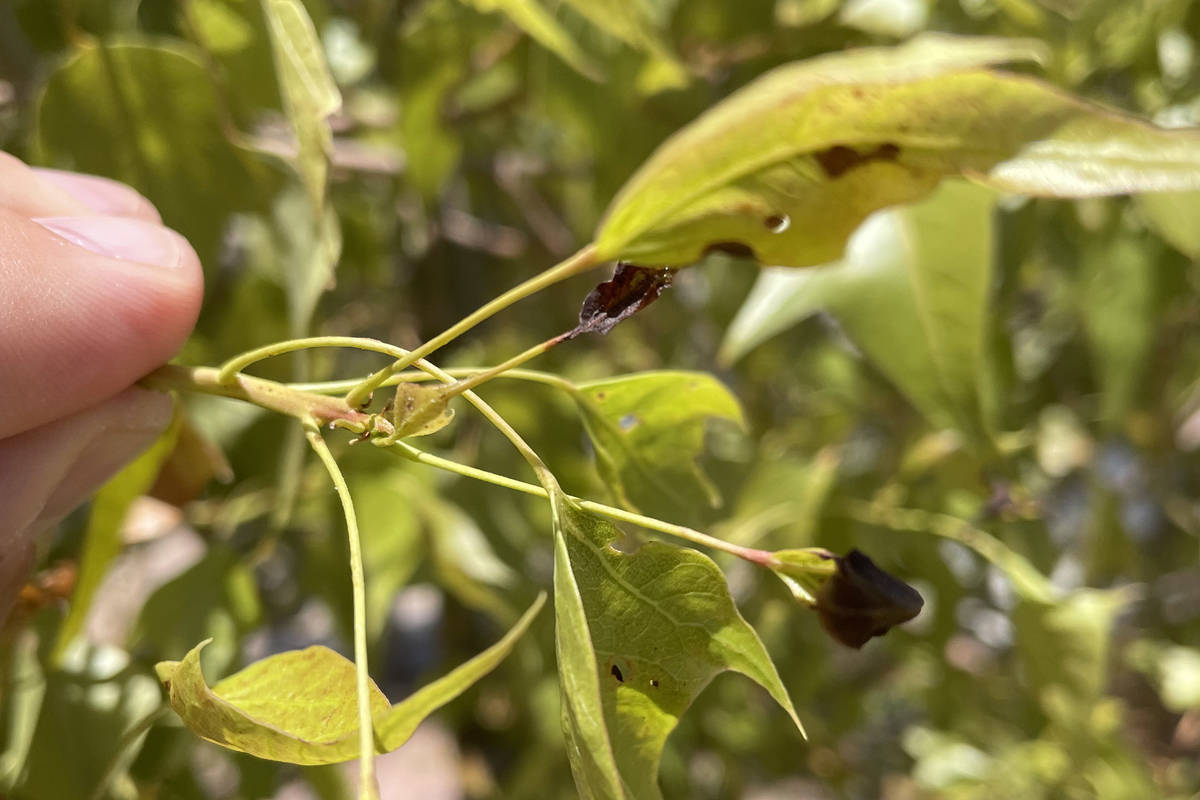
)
(639, 635)
(788, 167)
(1118, 301)
(632, 21)
(299, 706)
(148, 116)
(648, 430)
(911, 292)
(529, 16)
(308, 90)
(102, 537)
(90, 705)
(1173, 216)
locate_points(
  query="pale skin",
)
(95, 292)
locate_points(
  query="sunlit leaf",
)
(308, 90)
(648, 430)
(785, 169)
(299, 706)
(652, 627)
(911, 292)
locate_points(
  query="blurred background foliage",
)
(1036, 381)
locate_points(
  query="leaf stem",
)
(485, 375)
(1026, 579)
(581, 261)
(368, 787)
(127, 740)
(529, 375)
(266, 394)
(753, 555)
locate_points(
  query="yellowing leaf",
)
(300, 706)
(639, 635)
(911, 292)
(785, 169)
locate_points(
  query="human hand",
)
(94, 293)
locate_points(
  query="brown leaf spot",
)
(631, 289)
(840, 159)
(861, 601)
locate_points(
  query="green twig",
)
(368, 787)
(529, 375)
(580, 262)
(760, 557)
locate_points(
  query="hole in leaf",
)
(778, 223)
(616, 673)
(654, 682)
(628, 422)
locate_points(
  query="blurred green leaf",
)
(90, 703)
(148, 115)
(633, 22)
(652, 627)
(1173, 216)
(299, 706)
(529, 16)
(216, 597)
(911, 292)
(308, 90)
(1119, 304)
(648, 430)
(787, 168)
(102, 538)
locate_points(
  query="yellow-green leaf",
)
(300, 707)
(648, 430)
(536, 21)
(639, 635)
(785, 169)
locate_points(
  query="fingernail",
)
(119, 237)
(102, 195)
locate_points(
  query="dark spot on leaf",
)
(776, 223)
(739, 249)
(600, 395)
(839, 159)
(628, 422)
(654, 682)
(616, 673)
(861, 601)
(631, 289)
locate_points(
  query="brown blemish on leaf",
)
(840, 159)
(630, 289)
(774, 222)
(861, 601)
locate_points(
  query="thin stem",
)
(238, 363)
(483, 376)
(580, 262)
(760, 557)
(368, 787)
(529, 375)
(263, 393)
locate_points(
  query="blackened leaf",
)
(629, 291)
(861, 601)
